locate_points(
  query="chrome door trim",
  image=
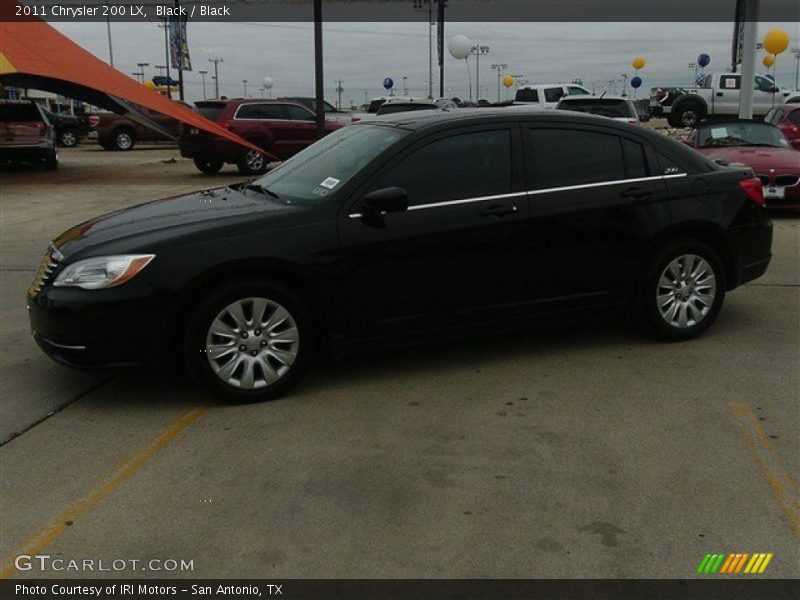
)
(564, 188)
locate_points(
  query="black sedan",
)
(411, 227)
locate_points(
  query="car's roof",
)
(731, 121)
(425, 119)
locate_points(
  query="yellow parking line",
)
(47, 534)
(784, 488)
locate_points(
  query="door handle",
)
(499, 210)
(634, 193)
(720, 94)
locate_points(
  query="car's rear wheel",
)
(682, 291)
(208, 166)
(249, 340)
(68, 138)
(123, 139)
(252, 162)
(51, 161)
(689, 115)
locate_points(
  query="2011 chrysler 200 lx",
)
(411, 227)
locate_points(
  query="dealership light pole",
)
(499, 68)
(216, 62)
(796, 52)
(166, 56)
(749, 41)
(478, 51)
(203, 75)
(141, 68)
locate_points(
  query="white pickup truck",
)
(547, 95)
(718, 96)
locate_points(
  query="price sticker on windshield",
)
(330, 183)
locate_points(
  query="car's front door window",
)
(458, 167)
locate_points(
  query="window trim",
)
(536, 192)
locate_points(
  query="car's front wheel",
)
(123, 139)
(68, 138)
(208, 166)
(248, 340)
(682, 290)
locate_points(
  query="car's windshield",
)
(326, 166)
(605, 107)
(740, 134)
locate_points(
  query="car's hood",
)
(760, 159)
(169, 217)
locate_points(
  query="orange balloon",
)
(768, 60)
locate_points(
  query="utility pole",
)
(749, 41)
(440, 42)
(179, 29)
(216, 62)
(244, 84)
(319, 72)
(203, 75)
(478, 51)
(427, 6)
(339, 90)
(499, 68)
(110, 47)
(166, 55)
(405, 85)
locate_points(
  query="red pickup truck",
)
(280, 128)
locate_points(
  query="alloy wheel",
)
(689, 118)
(68, 139)
(124, 141)
(252, 343)
(686, 291)
(255, 160)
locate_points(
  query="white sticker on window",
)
(730, 83)
(719, 132)
(330, 183)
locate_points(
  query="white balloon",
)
(459, 46)
(268, 83)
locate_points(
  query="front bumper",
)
(102, 328)
(204, 147)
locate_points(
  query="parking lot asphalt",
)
(583, 451)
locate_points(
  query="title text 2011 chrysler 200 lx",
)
(409, 227)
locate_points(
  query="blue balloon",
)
(636, 82)
(703, 60)
(388, 83)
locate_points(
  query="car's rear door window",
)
(635, 158)
(261, 111)
(298, 113)
(462, 166)
(210, 110)
(527, 95)
(564, 157)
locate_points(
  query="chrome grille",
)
(44, 273)
(787, 180)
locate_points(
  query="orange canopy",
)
(33, 54)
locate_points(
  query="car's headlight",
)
(103, 271)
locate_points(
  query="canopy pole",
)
(319, 76)
(750, 35)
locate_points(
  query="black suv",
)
(415, 226)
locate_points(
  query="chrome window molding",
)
(564, 188)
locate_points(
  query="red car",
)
(760, 146)
(281, 128)
(786, 118)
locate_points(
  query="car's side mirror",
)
(387, 200)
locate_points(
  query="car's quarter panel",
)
(589, 214)
(456, 255)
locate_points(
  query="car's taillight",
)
(93, 120)
(41, 126)
(753, 190)
(355, 119)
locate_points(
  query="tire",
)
(689, 114)
(123, 139)
(68, 138)
(251, 162)
(208, 166)
(222, 361)
(672, 310)
(51, 161)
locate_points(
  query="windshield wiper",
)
(261, 189)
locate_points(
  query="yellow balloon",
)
(639, 62)
(776, 41)
(769, 60)
(149, 84)
(508, 81)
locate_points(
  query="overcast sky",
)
(362, 54)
